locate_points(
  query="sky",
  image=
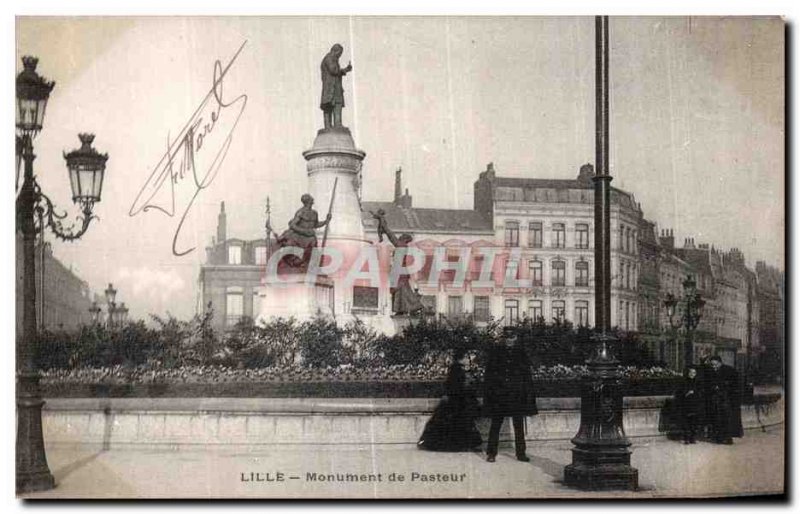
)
(697, 122)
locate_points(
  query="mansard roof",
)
(416, 219)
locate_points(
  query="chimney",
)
(405, 200)
(222, 224)
(483, 193)
(400, 200)
(667, 240)
(398, 185)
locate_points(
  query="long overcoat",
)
(332, 90)
(508, 384)
(723, 401)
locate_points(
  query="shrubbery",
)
(171, 345)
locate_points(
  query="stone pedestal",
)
(334, 156)
(294, 296)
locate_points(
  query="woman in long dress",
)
(452, 426)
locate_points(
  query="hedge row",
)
(319, 343)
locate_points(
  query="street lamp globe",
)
(87, 168)
(689, 285)
(123, 313)
(32, 94)
(670, 303)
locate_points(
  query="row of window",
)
(558, 275)
(627, 275)
(511, 239)
(558, 235)
(235, 255)
(511, 311)
(626, 315)
(627, 240)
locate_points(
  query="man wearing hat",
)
(508, 392)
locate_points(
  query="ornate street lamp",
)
(692, 313)
(33, 92)
(671, 304)
(691, 317)
(111, 295)
(601, 458)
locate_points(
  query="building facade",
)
(542, 234)
(771, 326)
(63, 299)
(230, 280)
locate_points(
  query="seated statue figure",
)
(300, 234)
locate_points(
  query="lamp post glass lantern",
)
(32, 94)
(110, 293)
(87, 169)
(95, 310)
(123, 310)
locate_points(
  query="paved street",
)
(754, 464)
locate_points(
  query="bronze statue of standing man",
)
(332, 91)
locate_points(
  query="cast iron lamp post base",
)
(32, 471)
(601, 458)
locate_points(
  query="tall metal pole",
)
(602, 183)
(33, 473)
(601, 458)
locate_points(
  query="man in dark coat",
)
(508, 392)
(332, 99)
(723, 402)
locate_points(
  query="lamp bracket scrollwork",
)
(54, 219)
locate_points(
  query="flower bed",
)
(400, 381)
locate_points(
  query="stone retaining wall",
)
(177, 422)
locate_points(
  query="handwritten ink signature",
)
(190, 150)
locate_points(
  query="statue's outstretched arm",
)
(321, 224)
(389, 233)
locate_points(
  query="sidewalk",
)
(754, 465)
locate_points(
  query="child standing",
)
(690, 403)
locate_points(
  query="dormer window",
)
(261, 255)
(234, 254)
